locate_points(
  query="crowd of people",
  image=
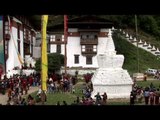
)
(57, 83)
(99, 100)
(150, 95)
(18, 85)
(67, 83)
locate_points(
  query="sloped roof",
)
(83, 21)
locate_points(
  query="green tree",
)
(149, 24)
(55, 61)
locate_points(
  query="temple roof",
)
(84, 22)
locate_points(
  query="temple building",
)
(90, 49)
(87, 36)
(18, 40)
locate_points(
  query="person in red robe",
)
(1, 71)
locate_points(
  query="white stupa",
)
(130, 37)
(110, 77)
(149, 46)
(127, 36)
(145, 44)
(113, 28)
(153, 48)
(140, 42)
(157, 52)
(134, 40)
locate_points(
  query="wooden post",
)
(65, 42)
(137, 44)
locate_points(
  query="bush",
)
(55, 61)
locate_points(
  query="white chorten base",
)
(116, 82)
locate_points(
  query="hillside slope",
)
(146, 59)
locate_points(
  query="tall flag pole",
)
(65, 42)
(137, 43)
(44, 59)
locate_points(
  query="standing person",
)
(157, 95)
(43, 97)
(64, 103)
(1, 71)
(30, 100)
(77, 101)
(146, 96)
(151, 96)
(82, 100)
(104, 98)
(145, 77)
(23, 102)
(25, 86)
(140, 95)
(9, 94)
(132, 98)
(98, 99)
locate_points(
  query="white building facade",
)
(87, 37)
(19, 40)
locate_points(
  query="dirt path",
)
(4, 98)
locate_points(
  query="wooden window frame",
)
(7, 28)
(76, 59)
(89, 48)
(89, 60)
(18, 31)
(19, 48)
(58, 50)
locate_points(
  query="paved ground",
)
(4, 98)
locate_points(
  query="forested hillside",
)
(147, 23)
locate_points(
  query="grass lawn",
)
(52, 98)
(70, 97)
(156, 83)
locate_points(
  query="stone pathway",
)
(4, 98)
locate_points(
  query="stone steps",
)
(141, 43)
